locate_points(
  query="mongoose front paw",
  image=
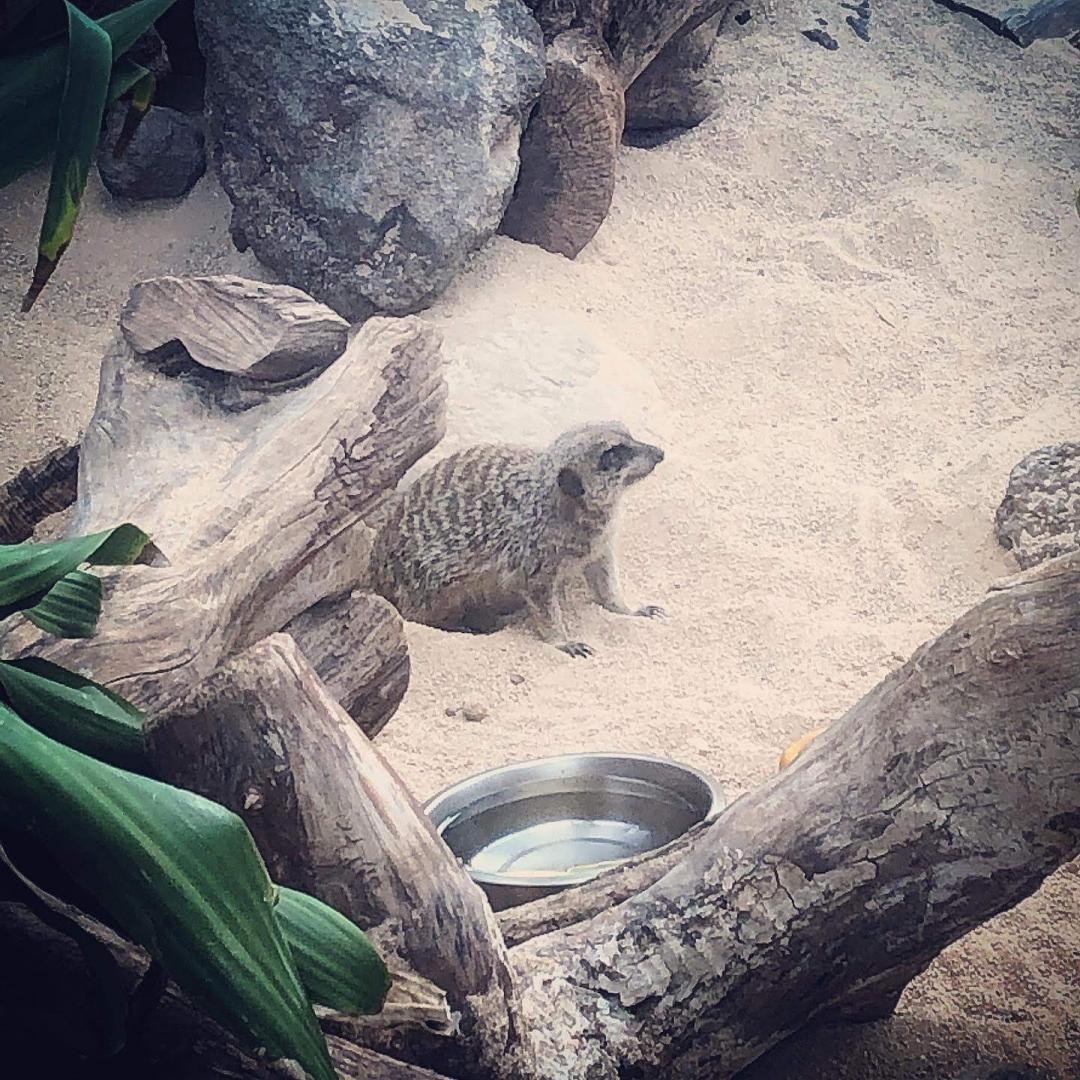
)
(651, 611)
(576, 648)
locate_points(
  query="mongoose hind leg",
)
(603, 578)
(547, 619)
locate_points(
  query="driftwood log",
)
(596, 50)
(255, 491)
(36, 491)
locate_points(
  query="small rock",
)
(516, 679)
(164, 160)
(1039, 518)
(474, 714)
(822, 38)
(451, 711)
(860, 26)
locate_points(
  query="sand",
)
(846, 306)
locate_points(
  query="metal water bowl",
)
(532, 829)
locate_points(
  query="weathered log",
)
(43, 487)
(356, 644)
(49, 1000)
(596, 49)
(945, 796)
(263, 737)
(260, 512)
(634, 30)
(245, 328)
(674, 91)
(570, 149)
(612, 887)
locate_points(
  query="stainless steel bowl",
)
(532, 829)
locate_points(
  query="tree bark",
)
(569, 153)
(42, 488)
(356, 644)
(942, 798)
(259, 511)
(263, 737)
(674, 89)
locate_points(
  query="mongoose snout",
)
(495, 529)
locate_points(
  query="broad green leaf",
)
(75, 710)
(28, 571)
(89, 68)
(112, 997)
(71, 608)
(338, 966)
(177, 873)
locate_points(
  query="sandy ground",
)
(845, 306)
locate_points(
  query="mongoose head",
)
(596, 461)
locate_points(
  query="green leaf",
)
(29, 571)
(338, 966)
(126, 26)
(129, 76)
(71, 608)
(75, 710)
(177, 873)
(89, 67)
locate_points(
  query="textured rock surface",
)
(368, 148)
(164, 159)
(674, 91)
(1039, 517)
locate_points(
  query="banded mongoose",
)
(494, 529)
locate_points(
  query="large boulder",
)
(368, 148)
(1039, 518)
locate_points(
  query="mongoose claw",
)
(576, 648)
(651, 611)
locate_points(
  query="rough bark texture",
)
(260, 511)
(570, 149)
(634, 30)
(356, 643)
(47, 999)
(674, 91)
(230, 324)
(943, 797)
(576, 905)
(43, 487)
(263, 737)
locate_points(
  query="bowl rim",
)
(557, 880)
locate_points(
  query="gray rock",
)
(1023, 23)
(1039, 517)
(164, 159)
(245, 328)
(368, 147)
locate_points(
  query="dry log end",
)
(356, 643)
(570, 149)
(798, 746)
(271, 333)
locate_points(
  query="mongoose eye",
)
(616, 457)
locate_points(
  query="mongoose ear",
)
(570, 483)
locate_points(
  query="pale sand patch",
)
(846, 306)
